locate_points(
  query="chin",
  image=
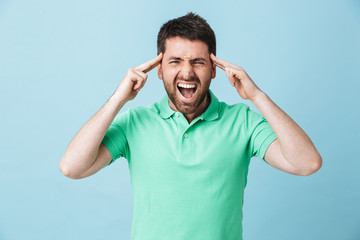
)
(188, 107)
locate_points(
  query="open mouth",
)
(187, 89)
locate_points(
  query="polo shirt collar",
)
(211, 113)
(165, 109)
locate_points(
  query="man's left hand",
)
(238, 78)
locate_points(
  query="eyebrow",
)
(198, 59)
(174, 58)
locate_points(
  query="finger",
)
(138, 78)
(143, 82)
(230, 76)
(219, 62)
(214, 60)
(219, 65)
(142, 74)
(145, 76)
(146, 67)
(137, 85)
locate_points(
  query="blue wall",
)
(61, 60)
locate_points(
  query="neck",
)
(203, 106)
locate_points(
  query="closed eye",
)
(198, 61)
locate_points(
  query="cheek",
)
(168, 78)
(170, 73)
(204, 73)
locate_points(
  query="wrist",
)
(118, 99)
(259, 98)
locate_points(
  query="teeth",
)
(183, 85)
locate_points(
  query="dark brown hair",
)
(192, 27)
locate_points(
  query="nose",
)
(187, 71)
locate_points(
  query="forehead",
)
(182, 47)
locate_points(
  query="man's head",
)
(192, 27)
(186, 68)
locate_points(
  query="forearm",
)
(295, 145)
(82, 156)
(83, 148)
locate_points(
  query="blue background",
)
(61, 60)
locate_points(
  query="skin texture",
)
(187, 61)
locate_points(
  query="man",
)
(188, 154)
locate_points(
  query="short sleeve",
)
(115, 138)
(261, 134)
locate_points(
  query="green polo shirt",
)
(188, 180)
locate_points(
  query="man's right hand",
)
(135, 79)
(86, 154)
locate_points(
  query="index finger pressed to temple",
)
(220, 63)
(146, 67)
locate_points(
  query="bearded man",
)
(189, 153)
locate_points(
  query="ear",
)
(159, 71)
(213, 71)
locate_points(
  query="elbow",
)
(68, 171)
(315, 166)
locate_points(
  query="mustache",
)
(191, 79)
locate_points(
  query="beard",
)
(174, 93)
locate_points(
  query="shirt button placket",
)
(187, 153)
